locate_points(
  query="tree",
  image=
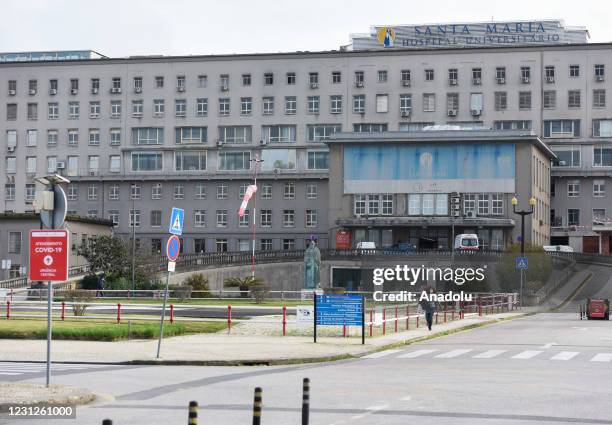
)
(540, 268)
(199, 285)
(242, 283)
(107, 254)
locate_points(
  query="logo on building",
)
(386, 36)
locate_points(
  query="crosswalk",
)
(465, 353)
(16, 369)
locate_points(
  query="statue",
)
(312, 265)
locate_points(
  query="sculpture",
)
(312, 265)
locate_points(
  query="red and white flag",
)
(247, 196)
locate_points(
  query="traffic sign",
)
(60, 207)
(173, 248)
(339, 310)
(522, 263)
(176, 221)
(49, 255)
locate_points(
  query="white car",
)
(366, 245)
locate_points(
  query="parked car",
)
(558, 248)
(401, 247)
(598, 309)
(366, 245)
(466, 242)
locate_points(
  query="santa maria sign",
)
(49, 252)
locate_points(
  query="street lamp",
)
(523, 213)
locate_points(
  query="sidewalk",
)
(223, 349)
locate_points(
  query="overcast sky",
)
(138, 27)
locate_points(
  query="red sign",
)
(49, 252)
(343, 239)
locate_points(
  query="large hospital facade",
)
(139, 135)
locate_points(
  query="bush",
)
(182, 292)
(117, 284)
(243, 283)
(199, 285)
(259, 293)
(335, 290)
(89, 282)
(80, 300)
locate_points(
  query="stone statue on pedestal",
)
(312, 265)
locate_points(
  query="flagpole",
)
(256, 161)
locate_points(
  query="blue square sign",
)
(176, 221)
(522, 263)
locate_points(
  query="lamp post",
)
(523, 213)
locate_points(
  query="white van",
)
(366, 245)
(558, 248)
(466, 242)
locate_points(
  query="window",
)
(32, 138)
(600, 72)
(359, 78)
(31, 165)
(33, 86)
(336, 77)
(224, 82)
(180, 83)
(288, 244)
(311, 218)
(359, 104)
(311, 191)
(202, 107)
(360, 205)
(266, 191)
(290, 105)
(318, 160)
(73, 137)
(180, 108)
(73, 192)
(190, 161)
(12, 86)
(268, 78)
(373, 204)
(94, 164)
(476, 76)
(32, 111)
(278, 159)
(137, 108)
(599, 98)
(14, 242)
(573, 188)
(114, 192)
(9, 191)
(134, 218)
(405, 77)
(224, 106)
(573, 99)
(320, 132)
(382, 103)
(452, 102)
(246, 79)
(602, 157)
(599, 188)
(221, 218)
(179, 191)
(73, 165)
(244, 220)
(500, 75)
(235, 134)
(11, 165)
(289, 190)
(574, 71)
(200, 245)
(387, 204)
(146, 161)
(221, 245)
(599, 215)
(405, 104)
(550, 99)
(52, 111)
(291, 78)
(525, 100)
(94, 110)
(313, 104)
(190, 135)
(483, 204)
(115, 109)
(92, 192)
(268, 105)
(453, 76)
(246, 105)
(137, 84)
(501, 100)
(288, 218)
(525, 74)
(429, 75)
(94, 137)
(115, 163)
(469, 203)
(53, 87)
(573, 217)
(567, 157)
(230, 161)
(222, 190)
(115, 136)
(497, 204)
(370, 128)
(549, 73)
(266, 218)
(159, 107)
(30, 192)
(561, 128)
(381, 76)
(429, 102)
(95, 85)
(602, 128)
(279, 133)
(199, 218)
(157, 191)
(159, 82)
(148, 136)
(73, 110)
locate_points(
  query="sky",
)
(119, 28)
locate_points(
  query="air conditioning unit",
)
(405, 114)
(12, 92)
(501, 80)
(263, 142)
(476, 81)
(525, 80)
(456, 214)
(94, 90)
(358, 83)
(219, 142)
(180, 89)
(11, 148)
(452, 112)
(470, 214)
(452, 81)
(52, 92)
(137, 89)
(456, 207)
(362, 112)
(224, 87)
(406, 83)
(314, 85)
(476, 112)
(137, 114)
(550, 79)
(115, 90)
(92, 173)
(74, 91)
(599, 78)
(61, 165)
(32, 92)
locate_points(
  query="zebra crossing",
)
(465, 353)
(16, 369)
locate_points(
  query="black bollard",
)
(257, 406)
(305, 401)
(193, 413)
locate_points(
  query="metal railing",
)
(20, 282)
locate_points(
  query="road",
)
(549, 368)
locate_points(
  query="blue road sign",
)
(173, 248)
(522, 263)
(339, 310)
(176, 221)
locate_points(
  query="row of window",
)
(574, 188)
(570, 156)
(313, 79)
(572, 218)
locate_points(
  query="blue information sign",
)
(339, 310)
(522, 263)
(176, 221)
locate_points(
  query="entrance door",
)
(350, 279)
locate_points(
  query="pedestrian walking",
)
(100, 288)
(428, 306)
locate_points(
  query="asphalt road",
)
(548, 368)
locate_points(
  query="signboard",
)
(173, 248)
(343, 239)
(339, 310)
(49, 250)
(522, 263)
(55, 219)
(3, 294)
(176, 221)
(304, 314)
(171, 266)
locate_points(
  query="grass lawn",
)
(100, 331)
(204, 301)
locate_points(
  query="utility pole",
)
(257, 161)
(133, 220)
(523, 213)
